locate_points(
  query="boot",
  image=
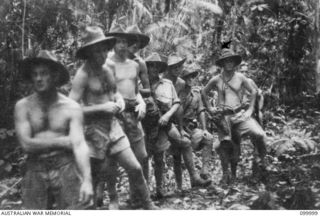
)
(142, 189)
(233, 165)
(114, 202)
(158, 173)
(134, 200)
(99, 194)
(195, 179)
(177, 169)
(150, 206)
(234, 157)
(113, 195)
(224, 160)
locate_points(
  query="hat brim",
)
(190, 74)
(235, 58)
(161, 65)
(131, 38)
(26, 65)
(177, 64)
(142, 39)
(82, 51)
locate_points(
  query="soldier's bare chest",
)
(95, 85)
(229, 83)
(125, 71)
(48, 118)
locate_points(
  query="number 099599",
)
(309, 213)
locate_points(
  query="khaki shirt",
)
(192, 103)
(165, 94)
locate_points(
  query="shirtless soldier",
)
(95, 85)
(126, 78)
(175, 65)
(49, 128)
(133, 53)
(237, 120)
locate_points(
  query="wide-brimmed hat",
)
(48, 58)
(228, 54)
(118, 31)
(93, 35)
(174, 61)
(190, 70)
(156, 59)
(141, 38)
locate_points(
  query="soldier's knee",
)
(135, 169)
(201, 139)
(259, 136)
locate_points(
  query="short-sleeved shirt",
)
(191, 103)
(165, 94)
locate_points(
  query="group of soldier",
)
(123, 110)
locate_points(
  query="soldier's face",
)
(153, 72)
(191, 81)
(228, 64)
(175, 71)
(98, 53)
(121, 46)
(42, 78)
(134, 48)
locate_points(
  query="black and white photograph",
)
(159, 105)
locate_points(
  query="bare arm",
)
(246, 84)
(79, 146)
(24, 134)
(202, 117)
(119, 101)
(81, 154)
(172, 110)
(179, 116)
(143, 74)
(78, 85)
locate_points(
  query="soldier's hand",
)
(212, 110)
(86, 193)
(110, 107)
(141, 109)
(247, 114)
(164, 119)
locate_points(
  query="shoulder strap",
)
(232, 88)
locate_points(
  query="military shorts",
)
(99, 167)
(51, 182)
(102, 135)
(130, 123)
(199, 138)
(239, 127)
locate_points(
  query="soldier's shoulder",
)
(165, 80)
(68, 103)
(180, 81)
(24, 101)
(83, 70)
